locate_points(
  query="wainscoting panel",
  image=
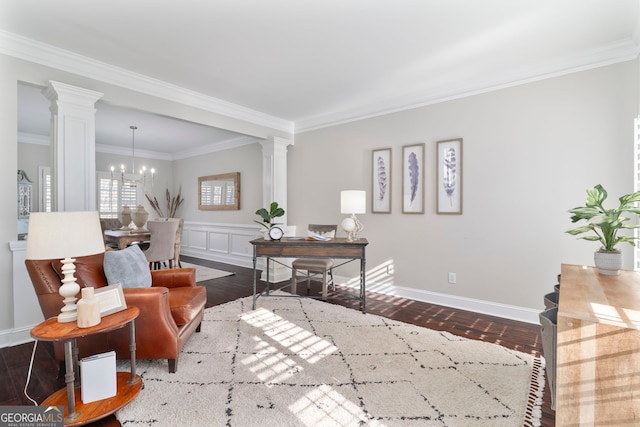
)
(240, 246)
(219, 242)
(194, 239)
(228, 243)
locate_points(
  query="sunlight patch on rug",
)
(304, 362)
(295, 339)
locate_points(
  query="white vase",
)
(608, 263)
(140, 217)
(125, 217)
(88, 309)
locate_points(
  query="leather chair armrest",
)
(174, 277)
(155, 313)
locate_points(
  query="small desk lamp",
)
(62, 235)
(353, 202)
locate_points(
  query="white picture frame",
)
(381, 180)
(449, 177)
(111, 299)
(413, 179)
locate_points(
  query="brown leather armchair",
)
(170, 310)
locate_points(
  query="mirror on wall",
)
(219, 192)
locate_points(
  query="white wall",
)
(8, 168)
(247, 160)
(530, 152)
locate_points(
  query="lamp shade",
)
(57, 235)
(353, 202)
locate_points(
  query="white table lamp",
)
(62, 235)
(353, 202)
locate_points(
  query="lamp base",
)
(68, 291)
(352, 226)
(67, 317)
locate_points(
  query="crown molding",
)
(229, 144)
(218, 146)
(32, 138)
(126, 151)
(33, 51)
(599, 56)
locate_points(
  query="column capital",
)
(57, 91)
(276, 142)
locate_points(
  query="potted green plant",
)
(268, 217)
(604, 224)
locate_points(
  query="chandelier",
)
(132, 178)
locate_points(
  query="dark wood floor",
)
(14, 361)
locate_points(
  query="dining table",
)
(124, 238)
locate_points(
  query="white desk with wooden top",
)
(598, 349)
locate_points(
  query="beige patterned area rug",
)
(206, 273)
(304, 362)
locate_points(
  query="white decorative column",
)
(274, 172)
(73, 147)
(274, 189)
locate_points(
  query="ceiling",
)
(316, 63)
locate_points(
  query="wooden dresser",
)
(598, 348)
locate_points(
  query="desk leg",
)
(268, 278)
(254, 279)
(132, 349)
(363, 298)
(70, 349)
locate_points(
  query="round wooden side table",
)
(128, 384)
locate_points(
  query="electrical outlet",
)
(452, 278)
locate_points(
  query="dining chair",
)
(176, 253)
(162, 241)
(315, 266)
(110, 224)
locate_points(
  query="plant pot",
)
(608, 263)
(266, 236)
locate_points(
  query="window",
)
(44, 188)
(217, 193)
(113, 194)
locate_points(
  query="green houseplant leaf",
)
(603, 223)
(268, 216)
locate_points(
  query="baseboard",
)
(240, 261)
(11, 337)
(521, 314)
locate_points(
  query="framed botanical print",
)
(413, 178)
(449, 176)
(381, 180)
